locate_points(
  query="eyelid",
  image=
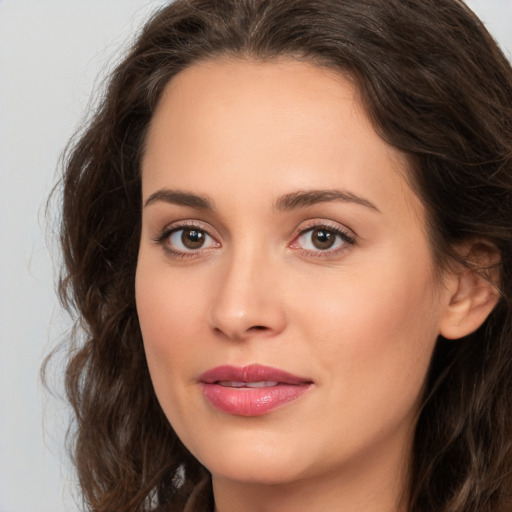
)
(173, 227)
(325, 223)
(346, 234)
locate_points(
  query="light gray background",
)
(51, 54)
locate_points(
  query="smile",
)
(252, 390)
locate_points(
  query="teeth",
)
(239, 384)
(262, 384)
(231, 384)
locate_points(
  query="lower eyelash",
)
(167, 232)
(336, 230)
(178, 254)
(348, 239)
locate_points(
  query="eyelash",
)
(169, 231)
(346, 238)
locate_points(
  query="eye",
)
(186, 240)
(326, 239)
(190, 239)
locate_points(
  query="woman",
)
(287, 239)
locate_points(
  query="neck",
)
(373, 483)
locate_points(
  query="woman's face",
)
(285, 284)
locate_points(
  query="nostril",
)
(258, 328)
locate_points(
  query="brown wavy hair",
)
(437, 87)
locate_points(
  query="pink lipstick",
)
(251, 390)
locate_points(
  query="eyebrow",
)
(180, 198)
(307, 198)
(287, 202)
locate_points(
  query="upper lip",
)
(250, 373)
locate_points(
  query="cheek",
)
(169, 316)
(375, 332)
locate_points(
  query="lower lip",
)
(251, 401)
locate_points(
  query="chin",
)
(256, 473)
(254, 462)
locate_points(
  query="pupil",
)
(323, 239)
(192, 238)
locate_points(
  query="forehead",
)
(230, 127)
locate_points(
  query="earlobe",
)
(473, 293)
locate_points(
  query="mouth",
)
(239, 384)
(251, 390)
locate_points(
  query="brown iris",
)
(323, 238)
(192, 238)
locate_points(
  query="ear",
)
(472, 290)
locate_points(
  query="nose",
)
(247, 301)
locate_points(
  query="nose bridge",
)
(246, 301)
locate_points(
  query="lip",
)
(232, 390)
